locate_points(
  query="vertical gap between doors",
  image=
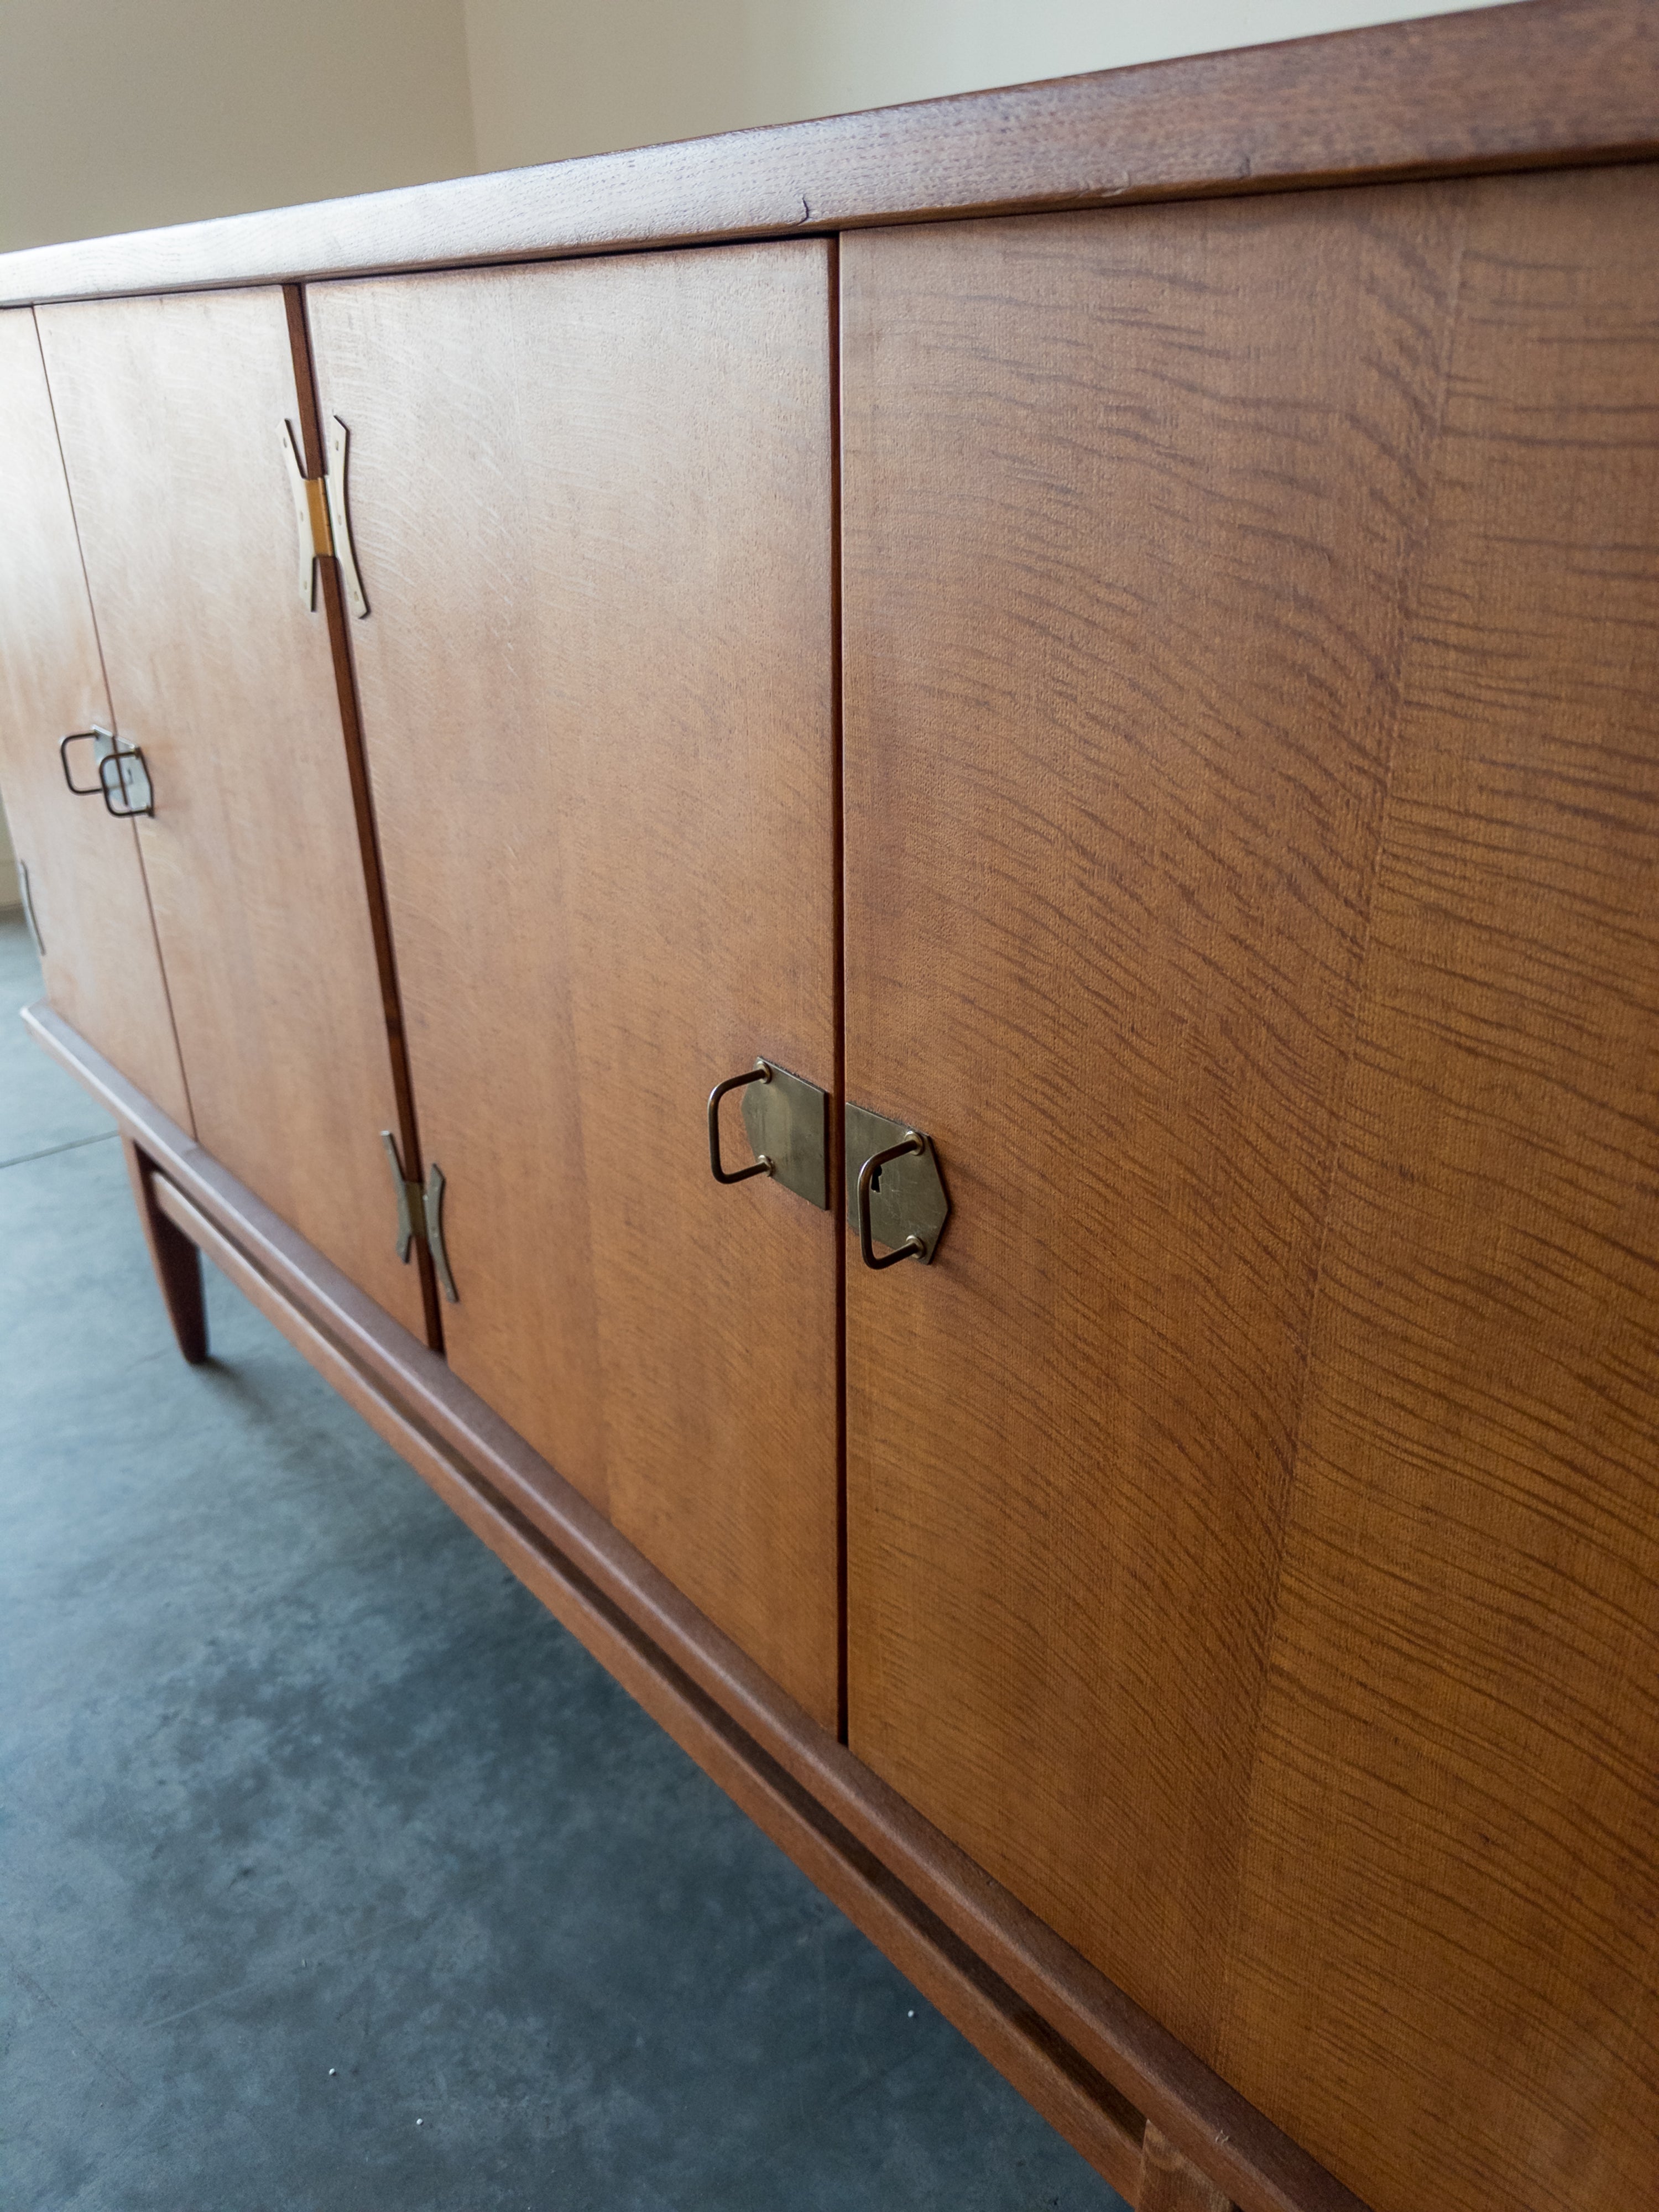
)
(109, 701)
(838, 1133)
(363, 800)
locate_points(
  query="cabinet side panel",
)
(1129, 500)
(1448, 1946)
(591, 505)
(86, 884)
(171, 413)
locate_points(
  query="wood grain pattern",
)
(1447, 1960)
(718, 1703)
(1171, 2182)
(174, 1255)
(171, 415)
(591, 505)
(102, 969)
(1547, 81)
(1252, 822)
(1128, 505)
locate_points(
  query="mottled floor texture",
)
(334, 1875)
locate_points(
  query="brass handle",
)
(29, 915)
(408, 1197)
(78, 737)
(912, 1247)
(760, 1072)
(433, 1206)
(120, 769)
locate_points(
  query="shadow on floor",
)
(337, 1877)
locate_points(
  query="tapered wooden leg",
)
(1171, 2182)
(177, 1262)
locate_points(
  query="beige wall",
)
(554, 77)
(115, 114)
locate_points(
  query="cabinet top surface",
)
(1534, 83)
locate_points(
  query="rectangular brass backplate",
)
(907, 1198)
(788, 1119)
(311, 528)
(322, 518)
(129, 777)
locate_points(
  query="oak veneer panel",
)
(1447, 1946)
(1128, 503)
(1550, 81)
(86, 881)
(171, 414)
(592, 507)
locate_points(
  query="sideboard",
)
(898, 878)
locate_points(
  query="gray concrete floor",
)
(335, 1875)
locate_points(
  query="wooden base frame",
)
(1163, 2129)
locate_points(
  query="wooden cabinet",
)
(1148, 683)
(1251, 789)
(79, 866)
(1129, 507)
(1459, 1745)
(171, 413)
(596, 692)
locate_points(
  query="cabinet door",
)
(172, 414)
(1252, 820)
(81, 872)
(592, 506)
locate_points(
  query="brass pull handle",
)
(120, 770)
(760, 1072)
(912, 1247)
(420, 1213)
(124, 770)
(408, 1194)
(79, 738)
(433, 1208)
(29, 915)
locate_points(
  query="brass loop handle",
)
(76, 737)
(120, 770)
(912, 1247)
(124, 772)
(760, 1072)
